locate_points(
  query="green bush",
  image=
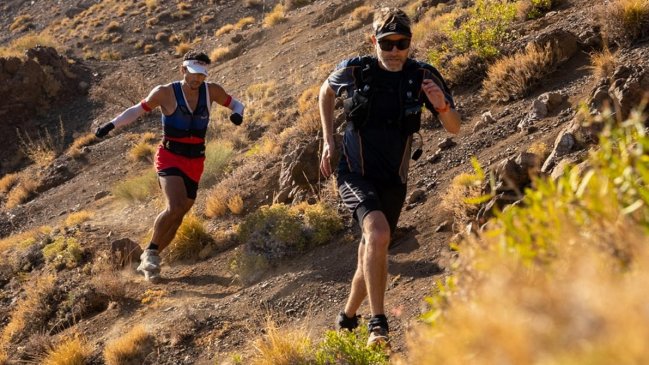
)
(218, 155)
(346, 347)
(139, 188)
(63, 252)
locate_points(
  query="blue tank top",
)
(183, 123)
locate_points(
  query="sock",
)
(152, 246)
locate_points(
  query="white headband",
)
(196, 66)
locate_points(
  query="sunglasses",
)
(401, 44)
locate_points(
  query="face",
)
(394, 58)
(192, 80)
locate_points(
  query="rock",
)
(443, 227)
(101, 194)
(630, 86)
(416, 196)
(485, 120)
(124, 252)
(563, 145)
(446, 144)
(511, 175)
(435, 157)
(552, 100)
(564, 44)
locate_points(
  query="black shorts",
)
(362, 195)
(191, 186)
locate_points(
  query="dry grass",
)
(151, 4)
(283, 346)
(17, 47)
(43, 148)
(514, 77)
(107, 279)
(32, 310)
(75, 149)
(542, 150)
(625, 20)
(21, 23)
(276, 16)
(251, 3)
(223, 54)
(183, 47)
(108, 54)
(307, 105)
(462, 188)
(260, 91)
(235, 204)
(79, 217)
(224, 30)
(8, 182)
(190, 239)
(113, 27)
(207, 18)
(142, 151)
(22, 192)
(218, 155)
(138, 188)
(216, 203)
(294, 4)
(243, 22)
(183, 6)
(130, 349)
(603, 64)
(72, 351)
(23, 239)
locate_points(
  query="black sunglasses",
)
(387, 45)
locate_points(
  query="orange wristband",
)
(446, 107)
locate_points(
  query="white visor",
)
(196, 67)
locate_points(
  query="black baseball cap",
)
(393, 26)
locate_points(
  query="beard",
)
(392, 63)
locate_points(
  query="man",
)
(185, 107)
(384, 101)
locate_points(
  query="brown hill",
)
(201, 312)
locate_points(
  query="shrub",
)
(243, 22)
(63, 252)
(110, 55)
(182, 48)
(262, 90)
(131, 348)
(138, 188)
(215, 204)
(347, 347)
(72, 351)
(282, 346)
(625, 20)
(190, 239)
(75, 149)
(603, 64)
(223, 53)
(218, 155)
(532, 9)
(248, 267)
(276, 16)
(151, 4)
(461, 195)
(235, 204)
(113, 27)
(224, 30)
(515, 76)
(107, 279)
(17, 47)
(32, 310)
(294, 4)
(7, 182)
(24, 239)
(22, 22)
(251, 3)
(307, 104)
(569, 256)
(44, 148)
(321, 222)
(78, 217)
(22, 192)
(142, 151)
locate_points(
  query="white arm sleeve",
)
(128, 116)
(236, 106)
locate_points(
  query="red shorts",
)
(192, 167)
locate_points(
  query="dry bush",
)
(243, 22)
(190, 239)
(139, 188)
(148, 49)
(32, 310)
(235, 204)
(462, 188)
(207, 18)
(183, 47)
(17, 47)
(625, 20)
(183, 6)
(514, 77)
(151, 4)
(283, 346)
(72, 351)
(251, 3)
(218, 155)
(276, 16)
(22, 192)
(108, 54)
(107, 280)
(79, 217)
(22, 22)
(224, 30)
(215, 204)
(162, 37)
(532, 9)
(307, 105)
(464, 69)
(224, 53)
(248, 267)
(261, 91)
(603, 64)
(43, 148)
(8, 182)
(542, 150)
(142, 151)
(77, 145)
(24, 239)
(130, 349)
(113, 27)
(268, 146)
(181, 14)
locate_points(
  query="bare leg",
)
(177, 205)
(358, 291)
(375, 265)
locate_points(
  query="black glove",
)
(236, 118)
(102, 131)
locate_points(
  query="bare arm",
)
(326, 103)
(448, 116)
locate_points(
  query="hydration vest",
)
(358, 105)
(183, 123)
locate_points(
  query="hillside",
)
(109, 54)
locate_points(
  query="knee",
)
(178, 209)
(378, 237)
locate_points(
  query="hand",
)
(325, 161)
(236, 118)
(102, 131)
(434, 94)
